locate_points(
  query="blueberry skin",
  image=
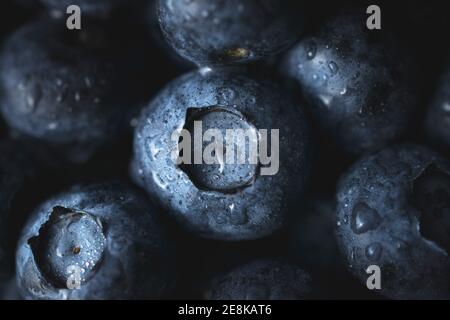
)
(262, 280)
(394, 212)
(63, 88)
(16, 170)
(109, 231)
(97, 7)
(357, 83)
(438, 116)
(233, 31)
(238, 203)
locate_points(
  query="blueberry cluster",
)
(351, 173)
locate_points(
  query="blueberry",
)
(94, 242)
(356, 81)
(394, 212)
(64, 88)
(232, 31)
(262, 280)
(222, 200)
(97, 7)
(438, 117)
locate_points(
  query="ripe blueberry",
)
(94, 242)
(356, 81)
(224, 200)
(232, 31)
(262, 280)
(64, 88)
(394, 212)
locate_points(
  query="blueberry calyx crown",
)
(236, 163)
(70, 244)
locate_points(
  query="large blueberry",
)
(438, 117)
(94, 242)
(262, 280)
(229, 31)
(66, 89)
(394, 212)
(233, 197)
(357, 82)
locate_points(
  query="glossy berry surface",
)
(357, 82)
(394, 212)
(63, 89)
(262, 280)
(223, 200)
(229, 31)
(94, 242)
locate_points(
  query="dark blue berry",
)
(357, 81)
(64, 88)
(106, 235)
(394, 212)
(229, 31)
(229, 201)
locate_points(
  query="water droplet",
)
(343, 91)
(227, 94)
(159, 181)
(326, 100)
(364, 218)
(204, 71)
(153, 145)
(373, 251)
(34, 98)
(88, 82)
(239, 217)
(77, 96)
(446, 107)
(52, 126)
(333, 67)
(311, 50)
